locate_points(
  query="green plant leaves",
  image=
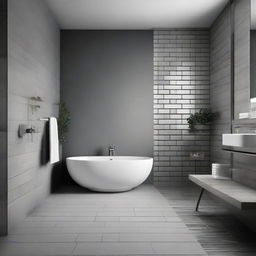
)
(204, 116)
(63, 122)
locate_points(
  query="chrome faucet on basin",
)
(111, 150)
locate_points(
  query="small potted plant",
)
(63, 123)
(200, 120)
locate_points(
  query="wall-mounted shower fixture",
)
(25, 129)
(34, 106)
(36, 98)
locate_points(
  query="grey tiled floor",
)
(138, 222)
(218, 231)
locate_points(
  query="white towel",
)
(54, 141)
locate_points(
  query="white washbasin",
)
(243, 140)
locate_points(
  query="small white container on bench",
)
(221, 171)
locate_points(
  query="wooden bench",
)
(238, 195)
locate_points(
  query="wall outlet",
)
(199, 156)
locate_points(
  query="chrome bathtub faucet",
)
(111, 150)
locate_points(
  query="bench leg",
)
(199, 199)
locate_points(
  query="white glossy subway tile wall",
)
(181, 87)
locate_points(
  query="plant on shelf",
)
(63, 122)
(203, 117)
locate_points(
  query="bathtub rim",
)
(108, 158)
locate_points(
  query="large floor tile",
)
(43, 249)
(113, 248)
(138, 222)
(157, 237)
(40, 238)
(178, 248)
(92, 237)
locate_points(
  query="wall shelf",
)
(238, 195)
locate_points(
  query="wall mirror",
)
(242, 31)
(253, 51)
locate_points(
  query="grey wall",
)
(33, 70)
(181, 87)
(106, 82)
(220, 84)
(3, 120)
(243, 165)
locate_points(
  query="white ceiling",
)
(135, 14)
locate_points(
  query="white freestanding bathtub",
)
(109, 173)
